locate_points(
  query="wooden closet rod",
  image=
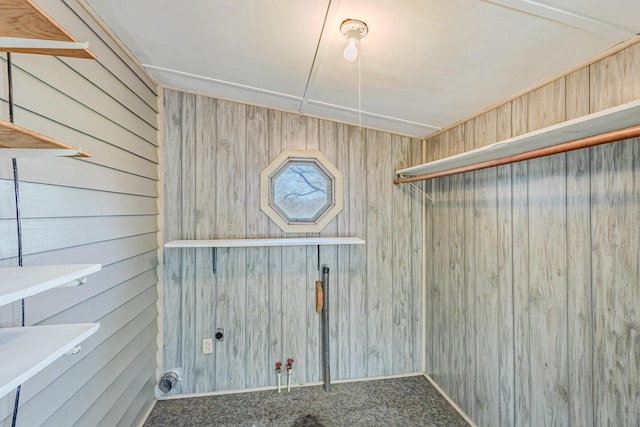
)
(590, 141)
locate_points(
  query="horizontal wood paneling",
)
(264, 297)
(551, 266)
(101, 210)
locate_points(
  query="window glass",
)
(301, 191)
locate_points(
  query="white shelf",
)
(248, 243)
(23, 282)
(26, 351)
(611, 119)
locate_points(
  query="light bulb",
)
(351, 51)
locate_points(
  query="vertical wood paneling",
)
(259, 356)
(264, 297)
(457, 287)
(358, 277)
(172, 229)
(469, 274)
(522, 348)
(321, 135)
(616, 245)
(205, 208)
(505, 331)
(276, 327)
(294, 280)
(579, 285)
(418, 214)
(188, 206)
(547, 261)
(440, 270)
(379, 252)
(231, 277)
(614, 80)
(344, 285)
(555, 341)
(486, 279)
(431, 302)
(402, 257)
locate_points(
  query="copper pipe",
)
(590, 141)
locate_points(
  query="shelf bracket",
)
(27, 43)
(420, 190)
(214, 261)
(73, 283)
(74, 350)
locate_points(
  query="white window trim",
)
(301, 227)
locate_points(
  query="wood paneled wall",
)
(264, 298)
(533, 268)
(98, 210)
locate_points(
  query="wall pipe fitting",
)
(168, 381)
(325, 329)
(279, 373)
(289, 371)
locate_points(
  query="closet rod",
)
(590, 141)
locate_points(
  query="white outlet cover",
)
(207, 346)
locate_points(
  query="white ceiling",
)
(425, 64)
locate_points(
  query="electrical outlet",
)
(207, 346)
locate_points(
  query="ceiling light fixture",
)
(353, 30)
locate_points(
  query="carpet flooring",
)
(408, 401)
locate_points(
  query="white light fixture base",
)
(354, 27)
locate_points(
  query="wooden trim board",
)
(19, 138)
(24, 19)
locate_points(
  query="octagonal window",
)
(301, 191)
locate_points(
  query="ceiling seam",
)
(313, 70)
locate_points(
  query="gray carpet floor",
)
(410, 401)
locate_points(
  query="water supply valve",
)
(278, 373)
(289, 370)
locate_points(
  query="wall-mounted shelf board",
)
(608, 120)
(247, 243)
(258, 243)
(22, 282)
(23, 19)
(20, 140)
(26, 351)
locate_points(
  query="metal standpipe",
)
(325, 328)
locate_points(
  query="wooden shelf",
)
(21, 142)
(23, 282)
(26, 351)
(611, 119)
(22, 19)
(248, 243)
